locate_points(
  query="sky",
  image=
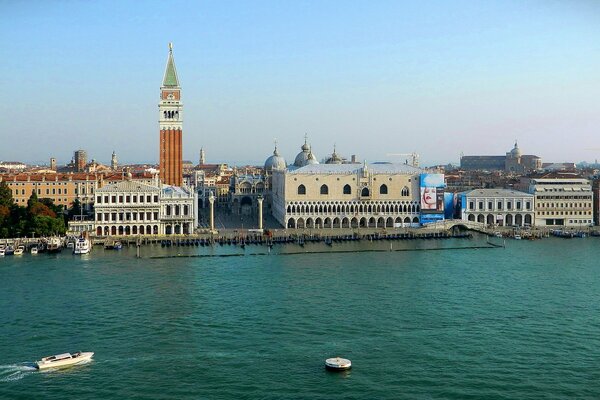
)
(373, 78)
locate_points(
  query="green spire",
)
(170, 79)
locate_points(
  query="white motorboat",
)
(1, 251)
(82, 246)
(63, 360)
(54, 245)
(20, 250)
(517, 237)
(34, 250)
(338, 364)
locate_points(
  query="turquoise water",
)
(520, 322)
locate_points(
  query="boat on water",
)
(34, 250)
(2, 251)
(54, 245)
(82, 246)
(63, 360)
(9, 251)
(517, 237)
(20, 250)
(338, 364)
(113, 245)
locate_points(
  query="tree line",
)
(41, 217)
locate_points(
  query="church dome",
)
(275, 161)
(302, 157)
(311, 160)
(516, 152)
(335, 158)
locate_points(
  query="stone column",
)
(211, 199)
(260, 217)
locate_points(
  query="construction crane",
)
(413, 156)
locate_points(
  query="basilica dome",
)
(516, 152)
(275, 161)
(311, 160)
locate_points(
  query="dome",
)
(275, 161)
(302, 157)
(335, 158)
(516, 152)
(311, 159)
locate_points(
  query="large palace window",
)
(405, 191)
(301, 189)
(383, 189)
(324, 189)
(347, 189)
(364, 192)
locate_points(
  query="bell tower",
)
(170, 119)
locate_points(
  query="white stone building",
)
(135, 208)
(562, 202)
(346, 195)
(501, 207)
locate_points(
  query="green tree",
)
(6, 198)
(33, 199)
(75, 209)
(43, 225)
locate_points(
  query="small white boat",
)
(338, 364)
(82, 246)
(34, 250)
(54, 245)
(1, 251)
(20, 250)
(70, 244)
(63, 360)
(517, 237)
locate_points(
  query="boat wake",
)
(15, 372)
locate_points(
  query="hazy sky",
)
(373, 77)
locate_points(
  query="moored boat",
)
(63, 360)
(34, 250)
(9, 251)
(54, 245)
(82, 246)
(20, 250)
(113, 245)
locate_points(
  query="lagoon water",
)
(521, 322)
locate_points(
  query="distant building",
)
(244, 190)
(53, 164)
(80, 160)
(346, 195)
(596, 194)
(12, 166)
(135, 208)
(550, 167)
(513, 162)
(562, 202)
(499, 207)
(113, 162)
(64, 188)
